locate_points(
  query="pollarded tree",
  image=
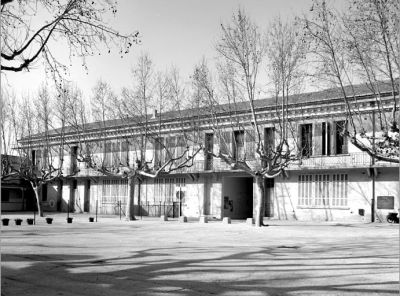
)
(141, 150)
(39, 162)
(30, 29)
(244, 141)
(360, 44)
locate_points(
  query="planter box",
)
(69, 220)
(18, 221)
(5, 221)
(91, 219)
(30, 221)
(49, 220)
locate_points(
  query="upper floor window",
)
(340, 137)
(269, 140)
(306, 139)
(326, 138)
(158, 149)
(239, 150)
(329, 138)
(74, 155)
(209, 145)
(33, 157)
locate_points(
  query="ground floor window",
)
(114, 191)
(323, 190)
(165, 189)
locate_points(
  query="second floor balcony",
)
(351, 160)
(344, 161)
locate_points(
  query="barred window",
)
(339, 189)
(114, 191)
(323, 190)
(180, 182)
(305, 190)
(158, 190)
(170, 189)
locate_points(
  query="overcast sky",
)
(173, 32)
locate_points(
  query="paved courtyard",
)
(149, 257)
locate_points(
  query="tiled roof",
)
(303, 98)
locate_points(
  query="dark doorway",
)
(44, 192)
(73, 194)
(59, 195)
(269, 197)
(237, 200)
(86, 198)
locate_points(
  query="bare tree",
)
(103, 102)
(6, 102)
(243, 143)
(80, 24)
(360, 44)
(39, 162)
(142, 150)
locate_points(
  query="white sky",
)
(173, 32)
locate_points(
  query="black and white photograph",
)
(200, 147)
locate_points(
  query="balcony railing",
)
(352, 160)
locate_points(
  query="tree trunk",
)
(38, 203)
(260, 194)
(130, 215)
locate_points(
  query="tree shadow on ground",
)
(205, 271)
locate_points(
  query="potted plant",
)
(30, 221)
(5, 221)
(91, 219)
(69, 220)
(49, 220)
(18, 221)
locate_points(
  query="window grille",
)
(114, 191)
(158, 190)
(339, 189)
(323, 190)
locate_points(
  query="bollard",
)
(226, 220)
(203, 219)
(183, 219)
(250, 221)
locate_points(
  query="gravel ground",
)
(150, 257)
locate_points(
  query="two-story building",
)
(332, 181)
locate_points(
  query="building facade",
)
(334, 181)
(16, 193)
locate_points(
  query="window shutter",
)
(250, 142)
(317, 138)
(225, 140)
(333, 138)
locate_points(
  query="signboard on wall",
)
(385, 202)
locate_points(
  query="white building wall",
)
(66, 189)
(95, 195)
(359, 197)
(194, 198)
(80, 196)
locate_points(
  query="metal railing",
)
(352, 160)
